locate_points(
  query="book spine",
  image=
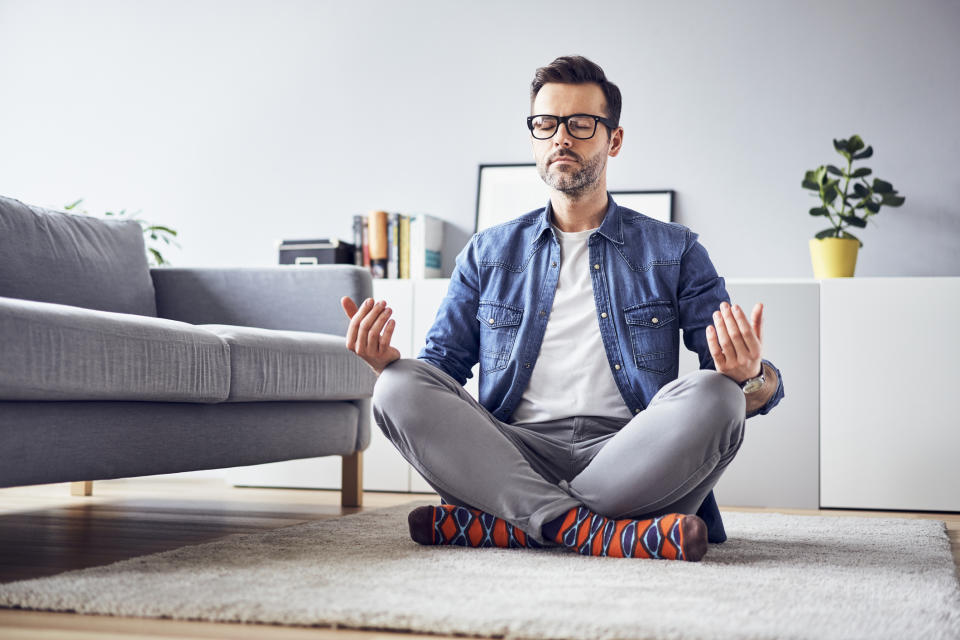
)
(405, 247)
(358, 240)
(416, 248)
(393, 249)
(378, 244)
(365, 242)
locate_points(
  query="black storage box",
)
(320, 251)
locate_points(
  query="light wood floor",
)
(45, 531)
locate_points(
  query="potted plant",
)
(833, 251)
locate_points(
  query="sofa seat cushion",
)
(272, 365)
(59, 352)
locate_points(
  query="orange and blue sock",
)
(456, 525)
(673, 536)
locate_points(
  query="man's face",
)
(568, 164)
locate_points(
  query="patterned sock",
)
(455, 525)
(674, 536)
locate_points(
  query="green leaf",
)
(881, 186)
(71, 206)
(819, 211)
(164, 229)
(861, 172)
(854, 221)
(827, 233)
(834, 170)
(860, 191)
(854, 144)
(813, 186)
(891, 200)
(830, 191)
(873, 207)
(866, 153)
(840, 145)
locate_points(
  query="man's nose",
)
(562, 137)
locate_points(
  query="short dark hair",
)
(578, 70)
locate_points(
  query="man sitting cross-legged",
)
(583, 434)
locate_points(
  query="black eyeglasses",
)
(581, 126)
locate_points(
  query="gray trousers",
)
(666, 459)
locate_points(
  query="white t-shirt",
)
(572, 376)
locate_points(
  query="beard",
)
(572, 183)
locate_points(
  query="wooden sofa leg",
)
(83, 488)
(351, 480)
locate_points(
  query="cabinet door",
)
(776, 465)
(888, 427)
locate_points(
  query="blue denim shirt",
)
(651, 279)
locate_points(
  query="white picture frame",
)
(657, 204)
(505, 191)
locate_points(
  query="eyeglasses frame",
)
(562, 120)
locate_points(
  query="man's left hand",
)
(735, 342)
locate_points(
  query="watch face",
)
(752, 385)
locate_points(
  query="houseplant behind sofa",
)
(111, 369)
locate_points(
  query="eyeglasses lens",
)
(581, 127)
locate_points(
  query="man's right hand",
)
(370, 331)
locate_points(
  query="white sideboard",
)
(808, 452)
(889, 423)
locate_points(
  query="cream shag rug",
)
(780, 576)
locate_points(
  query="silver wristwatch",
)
(753, 384)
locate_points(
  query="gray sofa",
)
(111, 369)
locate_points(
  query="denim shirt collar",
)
(610, 228)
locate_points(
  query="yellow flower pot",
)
(833, 257)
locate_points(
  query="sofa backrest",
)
(52, 256)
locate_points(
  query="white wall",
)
(240, 123)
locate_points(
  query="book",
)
(358, 223)
(377, 223)
(365, 242)
(426, 246)
(405, 247)
(393, 246)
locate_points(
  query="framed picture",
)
(656, 204)
(505, 191)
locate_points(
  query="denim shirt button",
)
(603, 315)
(636, 410)
(491, 321)
(553, 264)
(654, 320)
(527, 366)
(596, 266)
(617, 367)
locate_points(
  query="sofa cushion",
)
(270, 365)
(59, 352)
(51, 256)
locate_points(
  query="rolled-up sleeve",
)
(453, 341)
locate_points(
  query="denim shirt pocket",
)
(499, 324)
(652, 327)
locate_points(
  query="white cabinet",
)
(868, 363)
(889, 430)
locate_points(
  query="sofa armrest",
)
(290, 297)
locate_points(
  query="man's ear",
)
(616, 142)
